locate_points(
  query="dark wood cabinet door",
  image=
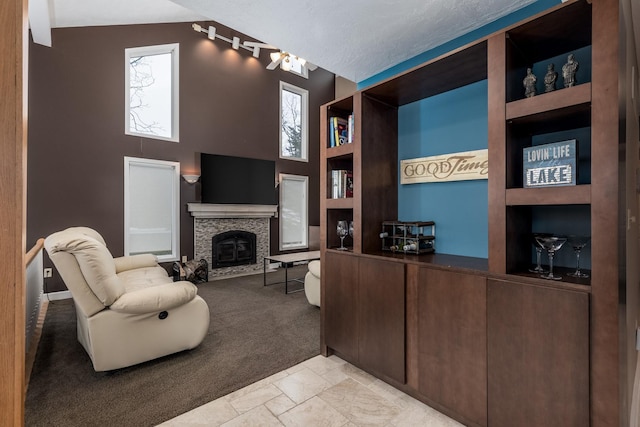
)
(381, 317)
(340, 282)
(452, 342)
(538, 356)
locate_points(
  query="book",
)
(332, 135)
(348, 184)
(335, 184)
(341, 183)
(350, 129)
(340, 134)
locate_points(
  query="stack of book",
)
(341, 183)
(340, 131)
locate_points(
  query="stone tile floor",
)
(322, 391)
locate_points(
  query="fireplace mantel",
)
(207, 210)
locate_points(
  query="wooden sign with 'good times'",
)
(464, 166)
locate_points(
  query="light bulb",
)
(274, 56)
(286, 63)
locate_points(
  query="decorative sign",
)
(462, 166)
(549, 165)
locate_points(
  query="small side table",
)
(287, 260)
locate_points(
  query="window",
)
(294, 112)
(151, 86)
(151, 208)
(294, 229)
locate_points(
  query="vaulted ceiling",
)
(354, 39)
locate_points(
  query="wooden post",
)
(13, 133)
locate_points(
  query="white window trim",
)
(175, 211)
(305, 218)
(174, 49)
(304, 120)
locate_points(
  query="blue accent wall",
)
(447, 123)
(451, 122)
(497, 25)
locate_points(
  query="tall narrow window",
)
(294, 218)
(294, 112)
(151, 88)
(151, 208)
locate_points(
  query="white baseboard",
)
(52, 296)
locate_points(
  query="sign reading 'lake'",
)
(549, 165)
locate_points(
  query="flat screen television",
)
(237, 180)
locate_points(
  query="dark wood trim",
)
(357, 171)
(605, 378)
(496, 65)
(411, 326)
(569, 195)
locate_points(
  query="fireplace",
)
(210, 220)
(233, 248)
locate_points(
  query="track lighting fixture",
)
(284, 59)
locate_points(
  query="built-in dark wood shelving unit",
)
(499, 294)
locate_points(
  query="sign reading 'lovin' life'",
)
(462, 166)
(549, 165)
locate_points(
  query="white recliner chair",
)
(128, 309)
(312, 283)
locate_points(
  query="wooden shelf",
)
(340, 151)
(550, 103)
(343, 203)
(568, 195)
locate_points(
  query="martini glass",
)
(538, 268)
(577, 243)
(551, 244)
(351, 229)
(343, 230)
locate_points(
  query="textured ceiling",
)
(354, 39)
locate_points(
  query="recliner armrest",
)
(155, 298)
(125, 263)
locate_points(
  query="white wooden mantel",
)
(207, 210)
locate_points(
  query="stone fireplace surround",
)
(212, 219)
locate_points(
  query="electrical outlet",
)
(48, 272)
(184, 258)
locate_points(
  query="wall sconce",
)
(191, 179)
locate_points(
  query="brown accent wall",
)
(229, 104)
